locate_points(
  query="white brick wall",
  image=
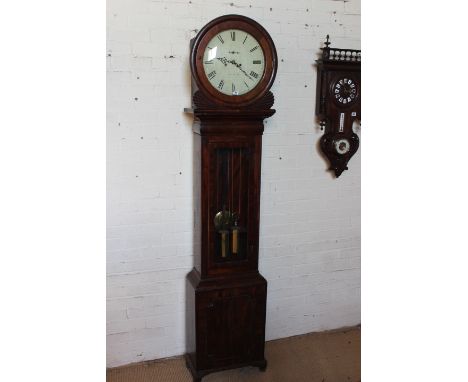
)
(310, 222)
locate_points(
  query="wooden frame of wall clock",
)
(338, 65)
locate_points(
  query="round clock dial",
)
(342, 146)
(234, 62)
(345, 91)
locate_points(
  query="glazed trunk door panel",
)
(231, 194)
(232, 208)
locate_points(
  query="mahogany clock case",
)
(200, 42)
(226, 295)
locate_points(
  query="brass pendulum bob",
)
(222, 221)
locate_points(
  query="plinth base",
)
(225, 323)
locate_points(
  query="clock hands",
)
(225, 61)
(345, 90)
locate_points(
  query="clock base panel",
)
(225, 323)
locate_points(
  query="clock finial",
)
(327, 43)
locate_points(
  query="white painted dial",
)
(234, 62)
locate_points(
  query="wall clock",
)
(338, 104)
(233, 63)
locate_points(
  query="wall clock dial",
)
(234, 62)
(338, 104)
(345, 91)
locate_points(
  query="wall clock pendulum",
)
(233, 62)
(338, 104)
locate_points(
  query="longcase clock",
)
(233, 63)
(338, 104)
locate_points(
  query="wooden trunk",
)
(226, 295)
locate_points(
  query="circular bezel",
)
(332, 92)
(259, 33)
(338, 142)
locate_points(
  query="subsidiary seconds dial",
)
(234, 62)
(345, 91)
(342, 146)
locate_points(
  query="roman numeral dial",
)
(234, 62)
(345, 91)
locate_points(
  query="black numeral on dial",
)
(220, 39)
(254, 48)
(257, 62)
(233, 36)
(253, 74)
(221, 84)
(212, 75)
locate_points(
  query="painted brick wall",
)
(310, 222)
